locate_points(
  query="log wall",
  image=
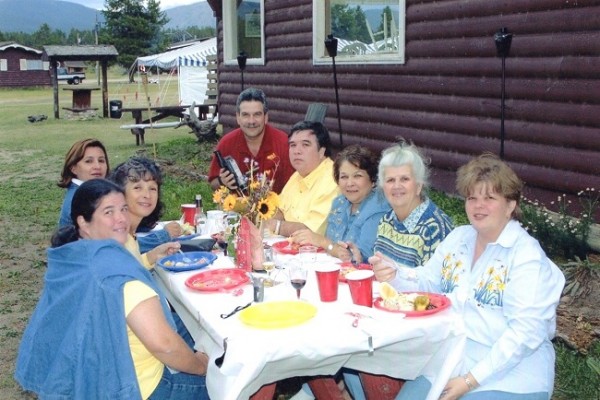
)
(446, 97)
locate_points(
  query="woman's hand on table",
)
(174, 229)
(347, 251)
(306, 237)
(163, 250)
(383, 267)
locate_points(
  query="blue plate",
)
(174, 263)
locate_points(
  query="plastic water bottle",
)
(200, 217)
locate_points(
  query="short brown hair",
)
(359, 156)
(74, 155)
(490, 169)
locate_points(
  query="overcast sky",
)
(164, 4)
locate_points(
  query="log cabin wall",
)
(446, 97)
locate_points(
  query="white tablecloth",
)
(403, 347)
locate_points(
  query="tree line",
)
(134, 27)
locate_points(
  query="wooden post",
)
(104, 89)
(55, 87)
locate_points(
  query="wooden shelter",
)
(445, 95)
(101, 53)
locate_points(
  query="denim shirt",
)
(152, 239)
(359, 228)
(76, 345)
(65, 210)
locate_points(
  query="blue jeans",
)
(180, 386)
(419, 388)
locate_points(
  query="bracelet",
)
(220, 181)
(277, 227)
(330, 248)
(468, 382)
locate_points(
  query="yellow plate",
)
(277, 314)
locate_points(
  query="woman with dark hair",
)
(86, 159)
(102, 328)
(144, 220)
(355, 214)
(141, 179)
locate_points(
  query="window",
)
(368, 31)
(243, 30)
(3, 64)
(35, 65)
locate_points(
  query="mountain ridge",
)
(25, 16)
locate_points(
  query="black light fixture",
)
(331, 44)
(503, 40)
(241, 59)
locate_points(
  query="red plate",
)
(217, 279)
(285, 247)
(440, 302)
(347, 267)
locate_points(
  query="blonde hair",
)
(491, 170)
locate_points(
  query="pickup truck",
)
(72, 78)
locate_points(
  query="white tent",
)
(191, 64)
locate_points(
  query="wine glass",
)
(298, 277)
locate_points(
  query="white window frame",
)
(321, 29)
(3, 64)
(230, 43)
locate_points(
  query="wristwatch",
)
(329, 248)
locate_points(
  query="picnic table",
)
(159, 113)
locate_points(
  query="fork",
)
(185, 258)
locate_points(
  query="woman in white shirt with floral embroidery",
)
(500, 280)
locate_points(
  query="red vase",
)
(249, 253)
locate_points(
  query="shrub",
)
(562, 234)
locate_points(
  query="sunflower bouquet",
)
(258, 203)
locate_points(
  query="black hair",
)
(134, 170)
(85, 202)
(318, 129)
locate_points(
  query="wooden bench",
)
(162, 112)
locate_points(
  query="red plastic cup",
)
(360, 283)
(328, 281)
(189, 213)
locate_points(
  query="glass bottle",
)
(200, 217)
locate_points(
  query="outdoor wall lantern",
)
(241, 59)
(331, 44)
(503, 40)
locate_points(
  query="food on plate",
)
(403, 301)
(198, 261)
(346, 270)
(387, 291)
(421, 303)
(188, 229)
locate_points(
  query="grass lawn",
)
(31, 157)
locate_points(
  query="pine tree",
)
(134, 28)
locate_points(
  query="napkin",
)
(249, 248)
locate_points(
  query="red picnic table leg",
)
(264, 393)
(380, 387)
(325, 388)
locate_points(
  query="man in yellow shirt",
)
(306, 199)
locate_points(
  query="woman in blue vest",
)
(102, 328)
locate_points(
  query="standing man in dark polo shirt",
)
(255, 140)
